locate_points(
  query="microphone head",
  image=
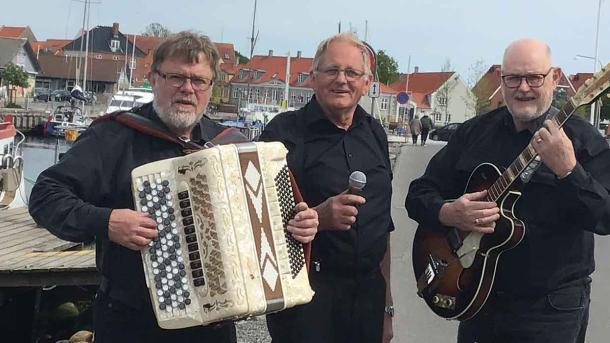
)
(357, 180)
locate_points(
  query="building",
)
(441, 95)
(18, 32)
(59, 72)
(18, 51)
(262, 80)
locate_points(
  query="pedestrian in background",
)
(416, 128)
(426, 126)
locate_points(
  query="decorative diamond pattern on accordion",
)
(222, 251)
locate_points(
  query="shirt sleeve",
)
(63, 198)
(586, 192)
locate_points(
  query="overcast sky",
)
(430, 31)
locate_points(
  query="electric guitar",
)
(455, 270)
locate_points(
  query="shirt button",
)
(349, 155)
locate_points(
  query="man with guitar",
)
(539, 215)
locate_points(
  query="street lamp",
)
(589, 58)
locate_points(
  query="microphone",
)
(357, 181)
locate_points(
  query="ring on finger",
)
(477, 221)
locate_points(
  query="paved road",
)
(414, 322)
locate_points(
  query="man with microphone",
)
(338, 154)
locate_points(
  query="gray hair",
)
(347, 37)
(188, 46)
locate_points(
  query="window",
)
(302, 77)
(243, 73)
(226, 55)
(442, 101)
(385, 103)
(437, 117)
(116, 58)
(115, 45)
(98, 56)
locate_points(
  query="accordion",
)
(222, 251)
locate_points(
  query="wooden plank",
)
(42, 279)
(21, 219)
(12, 213)
(63, 259)
(24, 244)
(40, 261)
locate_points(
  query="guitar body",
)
(455, 279)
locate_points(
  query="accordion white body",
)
(222, 251)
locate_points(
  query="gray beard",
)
(176, 120)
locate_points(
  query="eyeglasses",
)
(532, 80)
(199, 84)
(333, 72)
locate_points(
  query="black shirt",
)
(560, 216)
(322, 157)
(73, 198)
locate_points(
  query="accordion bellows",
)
(222, 251)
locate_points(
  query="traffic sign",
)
(375, 89)
(402, 98)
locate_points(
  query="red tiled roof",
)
(421, 85)
(145, 43)
(11, 31)
(274, 68)
(227, 52)
(425, 83)
(52, 45)
(385, 89)
(578, 80)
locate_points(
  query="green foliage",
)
(387, 68)
(14, 76)
(156, 30)
(241, 59)
(12, 105)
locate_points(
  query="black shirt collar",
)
(508, 119)
(314, 114)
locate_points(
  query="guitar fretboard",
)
(524, 159)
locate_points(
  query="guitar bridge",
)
(429, 278)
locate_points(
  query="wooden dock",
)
(32, 257)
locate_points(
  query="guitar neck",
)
(528, 154)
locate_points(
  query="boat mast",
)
(88, 10)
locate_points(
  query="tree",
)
(156, 30)
(241, 59)
(14, 75)
(387, 68)
(475, 72)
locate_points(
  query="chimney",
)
(299, 54)
(270, 52)
(416, 70)
(115, 29)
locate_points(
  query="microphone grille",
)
(357, 180)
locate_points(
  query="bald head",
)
(528, 54)
(528, 80)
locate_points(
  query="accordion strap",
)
(149, 127)
(297, 199)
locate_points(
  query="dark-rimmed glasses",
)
(532, 80)
(199, 84)
(350, 73)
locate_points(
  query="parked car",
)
(42, 94)
(444, 133)
(61, 95)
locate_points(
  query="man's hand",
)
(131, 229)
(555, 148)
(339, 212)
(304, 225)
(388, 331)
(470, 213)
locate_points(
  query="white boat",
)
(261, 113)
(12, 185)
(66, 118)
(128, 99)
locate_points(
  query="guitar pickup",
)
(429, 278)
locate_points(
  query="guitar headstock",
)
(593, 88)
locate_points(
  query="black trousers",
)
(424, 136)
(347, 307)
(559, 317)
(116, 322)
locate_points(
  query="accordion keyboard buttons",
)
(170, 282)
